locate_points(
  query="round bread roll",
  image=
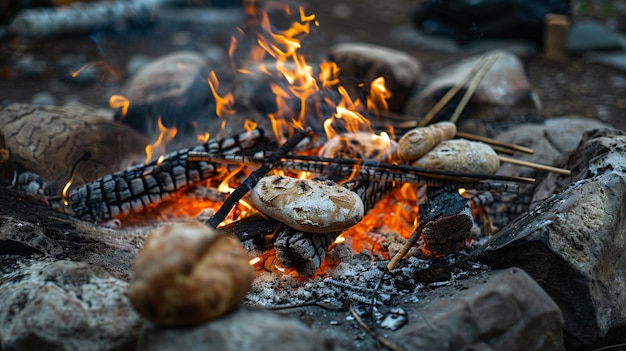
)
(188, 273)
(419, 141)
(461, 155)
(311, 206)
(359, 145)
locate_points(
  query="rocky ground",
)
(38, 69)
(557, 273)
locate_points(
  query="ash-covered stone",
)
(572, 243)
(243, 329)
(551, 140)
(63, 305)
(503, 310)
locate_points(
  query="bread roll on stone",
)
(461, 155)
(188, 273)
(419, 141)
(311, 206)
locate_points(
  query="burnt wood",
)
(138, 187)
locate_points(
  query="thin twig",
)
(254, 177)
(407, 245)
(450, 94)
(534, 165)
(472, 87)
(388, 344)
(610, 347)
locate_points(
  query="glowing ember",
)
(304, 95)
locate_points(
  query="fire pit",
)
(359, 238)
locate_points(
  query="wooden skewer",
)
(473, 86)
(495, 142)
(455, 89)
(535, 165)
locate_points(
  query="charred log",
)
(447, 220)
(139, 187)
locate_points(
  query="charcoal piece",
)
(302, 251)
(449, 220)
(253, 232)
(134, 189)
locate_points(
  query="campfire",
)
(338, 199)
(318, 131)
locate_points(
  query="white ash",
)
(355, 279)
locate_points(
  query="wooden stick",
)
(502, 150)
(494, 142)
(473, 86)
(535, 165)
(450, 94)
(388, 344)
(407, 245)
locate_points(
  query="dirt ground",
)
(574, 87)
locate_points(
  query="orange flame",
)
(223, 105)
(117, 101)
(166, 135)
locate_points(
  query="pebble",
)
(43, 98)
(587, 35)
(136, 63)
(28, 66)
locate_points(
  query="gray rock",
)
(64, 305)
(572, 244)
(615, 60)
(361, 63)
(173, 87)
(503, 95)
(550, 140)
(48, 140)
(502, 310)
(136, 63)
(215, 54)
(243, 329)
(221, 21)
(411, 36)
(521, 48)
(28, 66)
(588, 35)
(43, 98)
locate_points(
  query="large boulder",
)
(50, 140)
(551, 140)
(504, 95)
(572, 243)
(172, 88)
(63, 305)
(503, 310)
(360, 63)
